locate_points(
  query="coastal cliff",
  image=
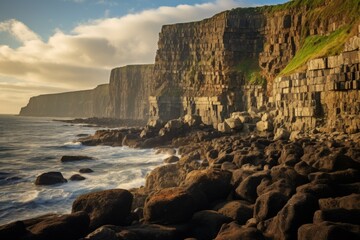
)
(229, 62)
(129, 90)
(87, 103)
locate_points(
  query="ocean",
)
(30, 146)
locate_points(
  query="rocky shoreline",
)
(241, 181)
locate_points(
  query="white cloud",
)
(83, 58)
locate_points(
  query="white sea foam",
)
(36, 146)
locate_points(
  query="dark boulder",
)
(171, 206)
(215, 184)
(347, 202)
(86, 170)
(72, 226)
(338, 215)
(105, 207)
(329, 231)
(298, 210)
(171, 159)
(239, 211)
(269, 204)
(247, 188)
(77, 177)
(13, 231)
(207, 223)
(50, 178)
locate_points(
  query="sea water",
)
(31, 146)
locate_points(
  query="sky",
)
(50, 46)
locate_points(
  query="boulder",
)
(233, 231)
(281, 134)
(207, 223)
(50, 178)
(264, 126)
(247, 188)
(223, 127)
(13, 231)
(347, 202)
(86, 170)
(294, 135)
(170, 206)
(131, 140)
(155, 123)
(328, 231)
(174, 124)
(71, 226)
(234, 123)
(298, 210)
(215, 184)
(192, 120)
(102, 233)
(338, 215)
(67, 158)
(240, 211)
(105, 207)
(269, 204)
(171, 159)
(339, 177)
(77, 177)
(153, 232)
(165, 176)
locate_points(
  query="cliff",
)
(87, 103)
(229, 62)
(129, 90)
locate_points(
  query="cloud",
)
(83, 58)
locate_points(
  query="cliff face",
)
(229, 62)
(129, 90)
(200, 67)
(88, 103)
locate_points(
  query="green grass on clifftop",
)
(318, 46)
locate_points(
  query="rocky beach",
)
(259, 112)
(238, 184)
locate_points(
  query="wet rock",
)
(269, 204)
(72, 226)
(67, 158)
(233, 231)
(86, 170)
(207, 223)
(171, 159)
(131, 140)
(215, 184)
(50, 178)
(329, 231)
(170, 206)
(192, 120)
(105, 207)
(170, 151)
(77, 177)
(240, 211)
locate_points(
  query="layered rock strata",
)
(87, 103)
(199, 66)
(326, 94)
